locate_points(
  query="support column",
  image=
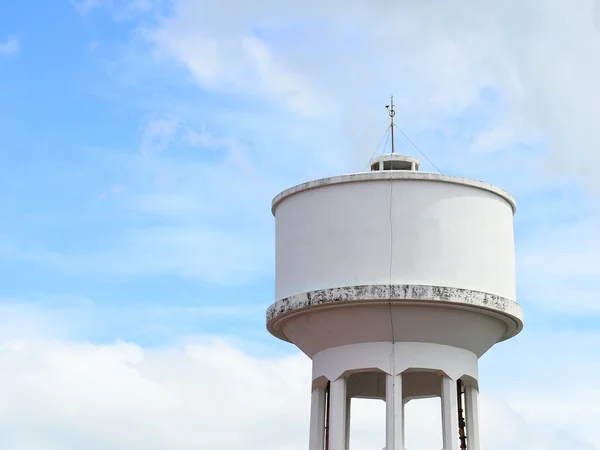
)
(403, 422)
(449, 414)
(317, 419)
(337, 415)
(348, 406)
(472, 416)
(394, 407)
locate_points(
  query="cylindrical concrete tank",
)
(418, 239)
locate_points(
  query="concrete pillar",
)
(337, 415)
(348, 406)
(403, 423)
(449, 414)
(394, 407)
(472, 417)
(317, 419)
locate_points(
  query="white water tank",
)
(399, 262)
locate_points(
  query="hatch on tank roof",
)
(394, 161)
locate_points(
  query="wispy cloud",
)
(93, 46)
(158, 135)
(187, 192)
(245, 66)
(121, 10)
(202, 254)
(10, 46)
(84, 6)
(496, 138)
(150, 321)
(309, 57)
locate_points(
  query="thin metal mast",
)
(392, 113)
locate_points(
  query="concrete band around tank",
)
(509, 311)
(394, 175)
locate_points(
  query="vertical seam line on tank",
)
(391, 261)
(391, 250)
(392, 397)
(390, 271)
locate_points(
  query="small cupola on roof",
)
(394, 161)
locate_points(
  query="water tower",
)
(394, 282)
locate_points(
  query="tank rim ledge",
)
(393, 175)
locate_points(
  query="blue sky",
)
(143, 141)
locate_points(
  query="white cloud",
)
(247, 66)
(72, 396)
(121, 397)
(323, 56)
(10, 46)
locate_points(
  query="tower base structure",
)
(397, 344)
(396, 373)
